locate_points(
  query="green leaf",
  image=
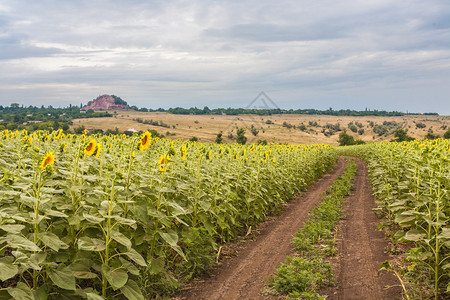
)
(55, 213)
(30, 201)
(74, 220)
(386, 265)
(92, 296)
(116, 277)
(21, 292)
(12, 228)
(124, 221)
(445, 234)
(136, 257)
(179, 251)
(404, 219)
(121, 239)
(132, 291)
(129, 266)
(19, 242)
(63, 277)
(52, 241)
(41, 293)
(82, 269)
(414, 235)
(93, 219)
(177, 209)
(170, 237)
(7, 268)
(36, 260)
(156, 265)
(90, 244)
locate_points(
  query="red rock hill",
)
(105, 102)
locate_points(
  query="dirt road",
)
(361, 248)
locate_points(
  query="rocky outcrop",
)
(104, 102)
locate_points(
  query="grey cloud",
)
(220, 53)
(274, 33)
(13, 48)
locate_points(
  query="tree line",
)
(274, 111)
(16, 117)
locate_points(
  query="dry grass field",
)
(206, 127)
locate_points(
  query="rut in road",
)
(243, 276)
(362, 248)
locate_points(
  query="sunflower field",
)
(411, 181)
(102, 217)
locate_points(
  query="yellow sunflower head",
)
(59, 134)
(183, 153)
(163, 163)
(48, 159)
(97, 150)
(90, 147)
(146, 139)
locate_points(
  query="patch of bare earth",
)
(362, 249)
(244, 275)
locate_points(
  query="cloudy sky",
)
(377, 54)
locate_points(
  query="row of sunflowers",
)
(97, 217)
(411, 182)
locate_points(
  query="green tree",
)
(254, 131)
(431, 136)
(447, 134)
(219, 139)
(80, 129)
(402, 136)
(345, 139)
(240, 136)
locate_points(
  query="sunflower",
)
(59, 134)
(48, 159)
(97, 150)
(90, 147)
(146, 139)
(183, 153)
(163, 163)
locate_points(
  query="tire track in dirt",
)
(243, 276)
(362, 248)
